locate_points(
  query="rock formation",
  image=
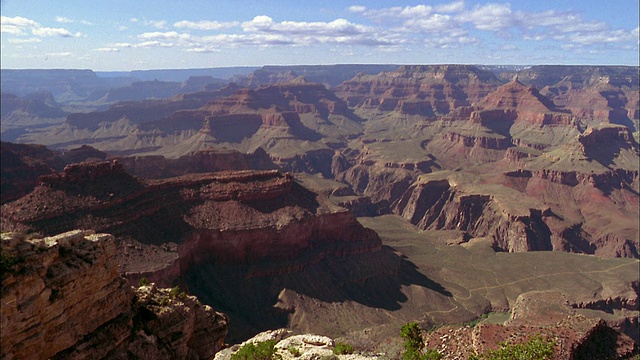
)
(261, 224)
(429, 91)
(62, 298)
(537, 313)
(289, 346)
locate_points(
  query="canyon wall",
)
(62, 298)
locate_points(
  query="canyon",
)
(343, 203)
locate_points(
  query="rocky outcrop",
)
(239, 229)
(288, 346)
(437, 205)
(157, 167)
(547, 315)
(22, 165)
(517, 102)
(62, 298)
(494, 143)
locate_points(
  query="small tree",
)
(413, 344)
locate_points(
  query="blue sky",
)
(129, 35)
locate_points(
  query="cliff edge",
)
(62, 298)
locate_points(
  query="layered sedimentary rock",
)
(518, 102)
(438, 205)
(62, 298)
(429, 91)
(329, 75)
(156, 167)
(538, 209)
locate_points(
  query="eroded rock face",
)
(429, 91)
(62, 298)
(537, 313)
(437, 205)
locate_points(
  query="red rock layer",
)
(518, 102)
(429, 91)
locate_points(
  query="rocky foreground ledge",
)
(62, 298)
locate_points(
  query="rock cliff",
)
(237, 227)
(62, 298)
(429, 91)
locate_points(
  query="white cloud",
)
(169, 35)
(205, 25)
(603, 37)
(433, 23)
(418, 10)
(19, 26)
(18, 21)
(491, 17)
(158, 24)
(453, 7)
(45, 31)
(62, 19)
(357, 9)
(10, 29)
(16, 25)
(337, 27)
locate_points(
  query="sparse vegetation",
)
(164, 300)
(259, 351)
(143, 282)
(536, 348)
(294, 351)
(476, 321)
(176, 293)
(342, 349)
(413, 344)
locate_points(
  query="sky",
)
(124, 35)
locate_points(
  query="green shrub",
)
(536, 348)
(294, 351)
(176, 293)
(432, 354)
(342, 349)
(143, 282)
(259, 351)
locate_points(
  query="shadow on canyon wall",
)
(373, 280)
